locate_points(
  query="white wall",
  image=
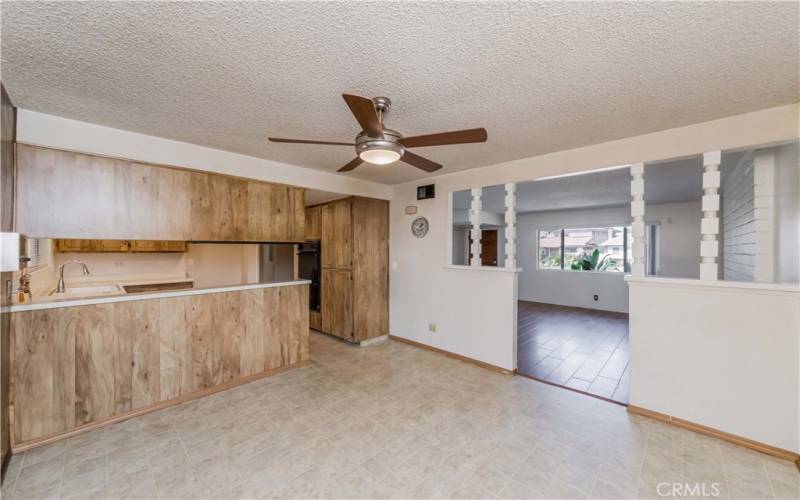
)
(209, 264)
(129, 263)
(724, 355)
(679, 240)
(222, 264)
(421, 287)
(40, 129)
(569, 288)
(679, 254)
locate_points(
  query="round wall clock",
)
(419, 227)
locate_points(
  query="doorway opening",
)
(575, 245)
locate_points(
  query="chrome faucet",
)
(61, 288)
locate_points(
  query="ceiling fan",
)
(381, 146)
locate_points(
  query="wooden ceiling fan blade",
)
(367, 116)
(445, 138)
(420, 162)
(350, 166)
(305, 141)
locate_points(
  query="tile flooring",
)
(392, 421)
(578, 348)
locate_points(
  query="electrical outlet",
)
(432, 327)
(596, 297)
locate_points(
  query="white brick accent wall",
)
(738, 222)
(764, 216)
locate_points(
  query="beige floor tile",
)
(392, 421)
(579, 479)
(136, 485)
(606, 490)
(45, 453)
(47, 494)
(516, 490)
(39, 478)
(14, 466)
(90, 484)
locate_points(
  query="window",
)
(601, 249)
(38, 251)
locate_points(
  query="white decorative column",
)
(709, 225)
(511, 225)
(764, 191)
(637, 225)
(475, 219)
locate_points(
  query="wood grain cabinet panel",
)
(337, 303)
(355, 241)
(313, 221)
(63, 245)
(72, 195)
(76, 366)
(370, 268)
(336, 232)
(43, 370)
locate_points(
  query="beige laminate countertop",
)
(50, 302)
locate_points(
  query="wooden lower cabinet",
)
(77, 366)
(315, 320)
(337, 303)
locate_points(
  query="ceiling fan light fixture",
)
(381, 151)
(379, 156)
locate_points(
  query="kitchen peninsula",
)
(191, 289)
(80, 363)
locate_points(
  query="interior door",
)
(337, 303)
(488, 247)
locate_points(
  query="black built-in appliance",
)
(310, 268)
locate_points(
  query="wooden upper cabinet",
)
(313, 220)
(92, 245)
(71, 195)
(336, 229)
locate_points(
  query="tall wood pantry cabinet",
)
(354, 297)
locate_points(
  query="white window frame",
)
(42, 256)
(568, 227)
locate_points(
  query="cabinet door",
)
(337, 303)
(143, 246)
(110, 245)
(297, 215)
(336, 235)
(370, 268)
(313, 215)
(170, 246)
(74, 245)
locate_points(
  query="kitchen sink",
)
(88, 291)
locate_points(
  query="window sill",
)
(493, 269)
(611, 273)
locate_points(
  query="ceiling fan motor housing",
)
(382, 104)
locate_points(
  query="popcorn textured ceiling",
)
(541, 77)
